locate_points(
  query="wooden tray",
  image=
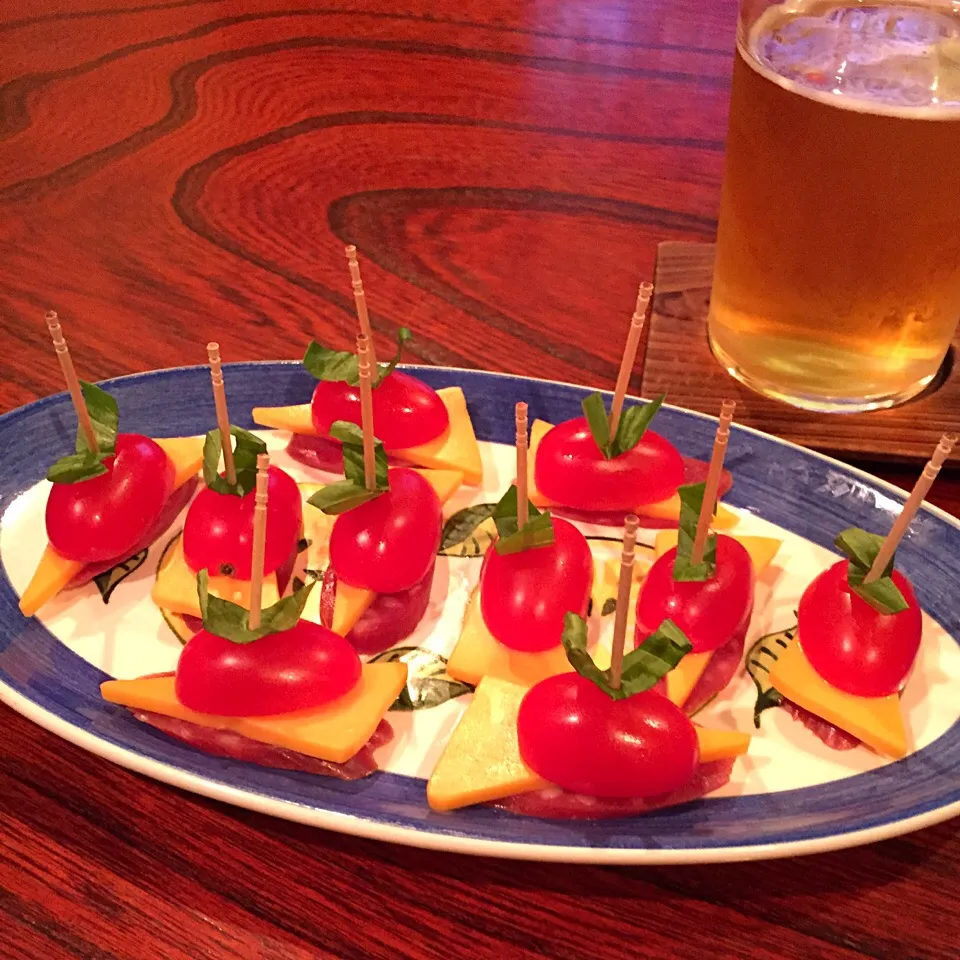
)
(678, 361)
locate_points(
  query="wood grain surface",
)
(176, 171)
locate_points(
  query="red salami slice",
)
(322, 453)
(556, 804)
(392, 617)
(720, 670)
(225, 743)
(832, 736)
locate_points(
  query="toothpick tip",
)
(351, 251)
(630, 523)
(51, 317)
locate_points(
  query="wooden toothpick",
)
(73, 382)
(713, 481)
(366, 412)
(360, 298)
(523, 505)
(223, 417)
(623, 599)
(920, 488)
(259, 540)
(630, 354)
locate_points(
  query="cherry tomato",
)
(406, 412)
(709, 612)
(571, 470)
(106, 516)
(572, 734)
(218, 531)
(296, 669)
(388, 544)
(524, 596)
(851, 645)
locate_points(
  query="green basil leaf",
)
(76, 468)
(105, 417)
(339, 497)
(464, 524)
(336, 365)
(350, 436)
(633, 424)
(246, 450)
(759, 661)
(574, 640)
(385, 369)
(862, 548)
(538, 532)
(232, 622)
(644, 667)
(883, 594)
(596, 414)
(691, 500)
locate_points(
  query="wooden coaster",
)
(678, 361)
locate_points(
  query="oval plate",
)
(808, 494)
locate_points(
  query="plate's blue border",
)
(803, 492)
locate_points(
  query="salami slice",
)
(322, 453)
(721, 669)
(830, 735)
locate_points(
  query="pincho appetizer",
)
(842, 668)
(588, 744)
(417, 425)
(597, 468)
(111, 498)
(536, 570)
(381, 545)
(218, 529)
(267, 687)
(705, 584)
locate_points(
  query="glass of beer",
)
(837, 280)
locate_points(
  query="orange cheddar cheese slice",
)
(334, 732)
(455, 449)
(877, 721)
(55, 572)
(481, 761)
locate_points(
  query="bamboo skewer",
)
(910, 508)
(523, 504)
(630, 354)
(360, 299)
(73, 381)
(366, 412)
(712, 484)
(223, 417)
(259, 540)
(623, 599)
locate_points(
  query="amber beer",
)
(837, 283)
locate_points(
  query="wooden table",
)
(176, 171)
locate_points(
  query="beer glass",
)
(837, 279)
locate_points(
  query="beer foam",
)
(895, 59)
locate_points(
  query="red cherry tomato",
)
(524, 596)
(218, 531)
(106, 516)
(406, 412)
(388, 544)
(571, 470)
(710, 611)
(572, 734)
(850, 644)
(296, 669)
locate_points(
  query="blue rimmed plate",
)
(809, 496)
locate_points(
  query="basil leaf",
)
(463, 524)
(759, 660)
(574, 640)
(350, 436)
(385, 369)
(232, 622)
(537, 533)
(596, 414)
(336, 365)
(339, 497)
(246, 450)
(691, 500)
(633, 424)
(862, 548)
(105, 417)
(76, 468)
(643, 667)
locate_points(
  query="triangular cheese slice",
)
(333, 732)
(455, 449)
(877, 721)
(481, 761)
(55, 572)
(684, 677)
(667, 510)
